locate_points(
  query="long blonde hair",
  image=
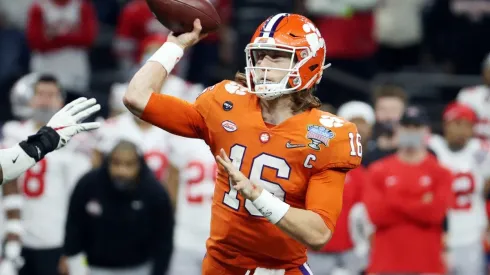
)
(302, 100)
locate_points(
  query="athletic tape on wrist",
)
(270, 206)
(168, 55)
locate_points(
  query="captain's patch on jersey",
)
(318, 135)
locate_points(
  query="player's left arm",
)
(314, 225)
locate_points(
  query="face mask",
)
(43, 115)
(411, 140)
(123, 184)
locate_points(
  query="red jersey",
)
(408, 235)
(302, 161)
(136, 23)
(341, 239)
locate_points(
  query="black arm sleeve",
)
(164, 231)
(75, 220)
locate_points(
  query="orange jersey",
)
(302, 161)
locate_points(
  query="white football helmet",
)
(21, 95)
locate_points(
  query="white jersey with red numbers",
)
(467, 218)
(198, 170)
(46, 188)
(478, 98)
(152, 141)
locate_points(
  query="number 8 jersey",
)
(46, 188)
(291, 160)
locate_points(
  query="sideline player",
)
(33, 237)
(469, 159)
(268, 123)
(56, 134)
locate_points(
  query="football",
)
(179, 15)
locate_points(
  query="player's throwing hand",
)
(242, 184)
(188, 39)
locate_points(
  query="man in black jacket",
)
(120, 217)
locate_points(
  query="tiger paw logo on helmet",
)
(313, 37)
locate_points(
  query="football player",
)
(267, 124)
(35, 204)
(478, 98)
(469, 159)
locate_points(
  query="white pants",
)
(144, 269)
(186, 262)
(328, 263)
(467, 259)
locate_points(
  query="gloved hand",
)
(67, 121)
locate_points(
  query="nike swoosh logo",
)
(15, 159)
(289, 145)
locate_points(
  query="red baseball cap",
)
(458, 111)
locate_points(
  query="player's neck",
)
(277, 110)
(412, 156)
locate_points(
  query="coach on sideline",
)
(120, 217)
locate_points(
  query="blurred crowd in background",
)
(385, 56)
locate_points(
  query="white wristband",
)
(14, 162)
(168, 55)
(270, 206)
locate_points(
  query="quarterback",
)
(283, 161)
(60, 129)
